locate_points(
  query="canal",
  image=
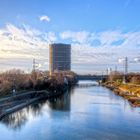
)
(84, 113)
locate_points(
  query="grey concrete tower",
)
(59, 57)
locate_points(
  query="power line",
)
(126, 65)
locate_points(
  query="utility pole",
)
(126, 65)
(34, 64)
(115, 68)
(110, 70)
(102, 75)
(125, 69)
(107, 72)
(34, 69)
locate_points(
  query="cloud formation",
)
(110, 46)
(92, 52)
(44, 18)
(81, 36)
(18, 46)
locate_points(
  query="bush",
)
(135, 80)
(5, 88)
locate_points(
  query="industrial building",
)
(59, 57)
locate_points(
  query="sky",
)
(101, 32)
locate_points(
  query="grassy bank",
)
(129, 90)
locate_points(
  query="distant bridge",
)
(86, 85)
(91, 77)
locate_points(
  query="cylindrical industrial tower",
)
(59, 57)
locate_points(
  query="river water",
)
(84, 113)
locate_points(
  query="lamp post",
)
(35, 66)
(125, 68)
(14, 87)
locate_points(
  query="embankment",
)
(127, 91)
(16, 102)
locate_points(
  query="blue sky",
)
(92, 15)
(99, 31)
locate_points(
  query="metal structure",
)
(126, 66)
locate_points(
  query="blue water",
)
(84, 113)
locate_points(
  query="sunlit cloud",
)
(112, 45)
(91, 51)
(81, 36)
(24, 43)
(44, 18)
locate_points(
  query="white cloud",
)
(121, 60)
(81, 36)
(89, 58)
(108, 37)
(50, 37)
(18, 46)
(44, 18)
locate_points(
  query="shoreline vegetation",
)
(17, 81)
(19, 89)
(130, 89)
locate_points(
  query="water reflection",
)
(17, 119)
(61, 103)
(83, 113)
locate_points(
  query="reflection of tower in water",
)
(61, 103)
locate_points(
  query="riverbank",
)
(16, 102)
(17, 81)
(41, 88)
(128, 91)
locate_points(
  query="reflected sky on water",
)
(83, 113)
